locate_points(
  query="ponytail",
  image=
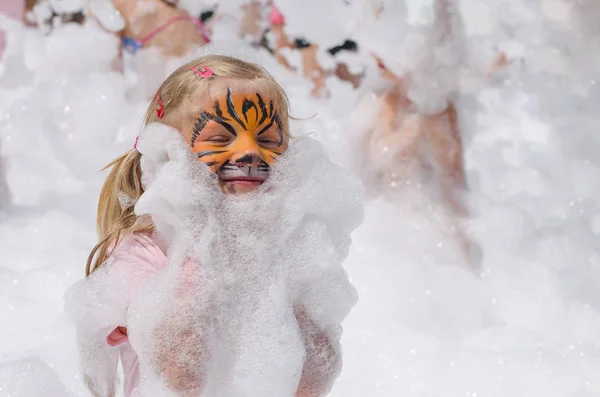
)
(116, 216)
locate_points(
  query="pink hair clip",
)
(160, 110)
(206, 72)
(136, 141)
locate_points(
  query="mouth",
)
(245, 180)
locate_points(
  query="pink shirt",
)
(99, 304)
(12, 8)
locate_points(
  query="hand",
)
(323, 359)
(181, 348)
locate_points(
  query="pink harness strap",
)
(135, 45)
(171, 21)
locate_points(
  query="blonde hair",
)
(123, 186)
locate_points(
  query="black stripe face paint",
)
(238, 130)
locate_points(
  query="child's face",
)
(238, 134)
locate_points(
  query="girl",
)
(234, 117)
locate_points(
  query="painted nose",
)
(251, 158)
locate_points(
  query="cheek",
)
(270, 155)
(211, 155)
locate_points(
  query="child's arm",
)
(323, 358)
(322, 297)
(181, 348)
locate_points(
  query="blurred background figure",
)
(14, 9)
(311, 69)
(415, 140)
(280, 40)
(276, 40)
(251, 22)
(159, 24)
(154, 37)
(341, 70)
(45, 14)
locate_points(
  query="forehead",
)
(218, 91)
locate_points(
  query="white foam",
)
(30, 377)
(67, 6)
(259, 258)
(108, 16)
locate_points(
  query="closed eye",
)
(219, 139)
(271, 138)
(268, 142)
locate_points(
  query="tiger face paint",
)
(239, 134)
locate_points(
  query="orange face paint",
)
(237, 125)
(240, 136)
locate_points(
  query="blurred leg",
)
(445, 143)
(313, 71)
(343, 73)
(442, 131)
